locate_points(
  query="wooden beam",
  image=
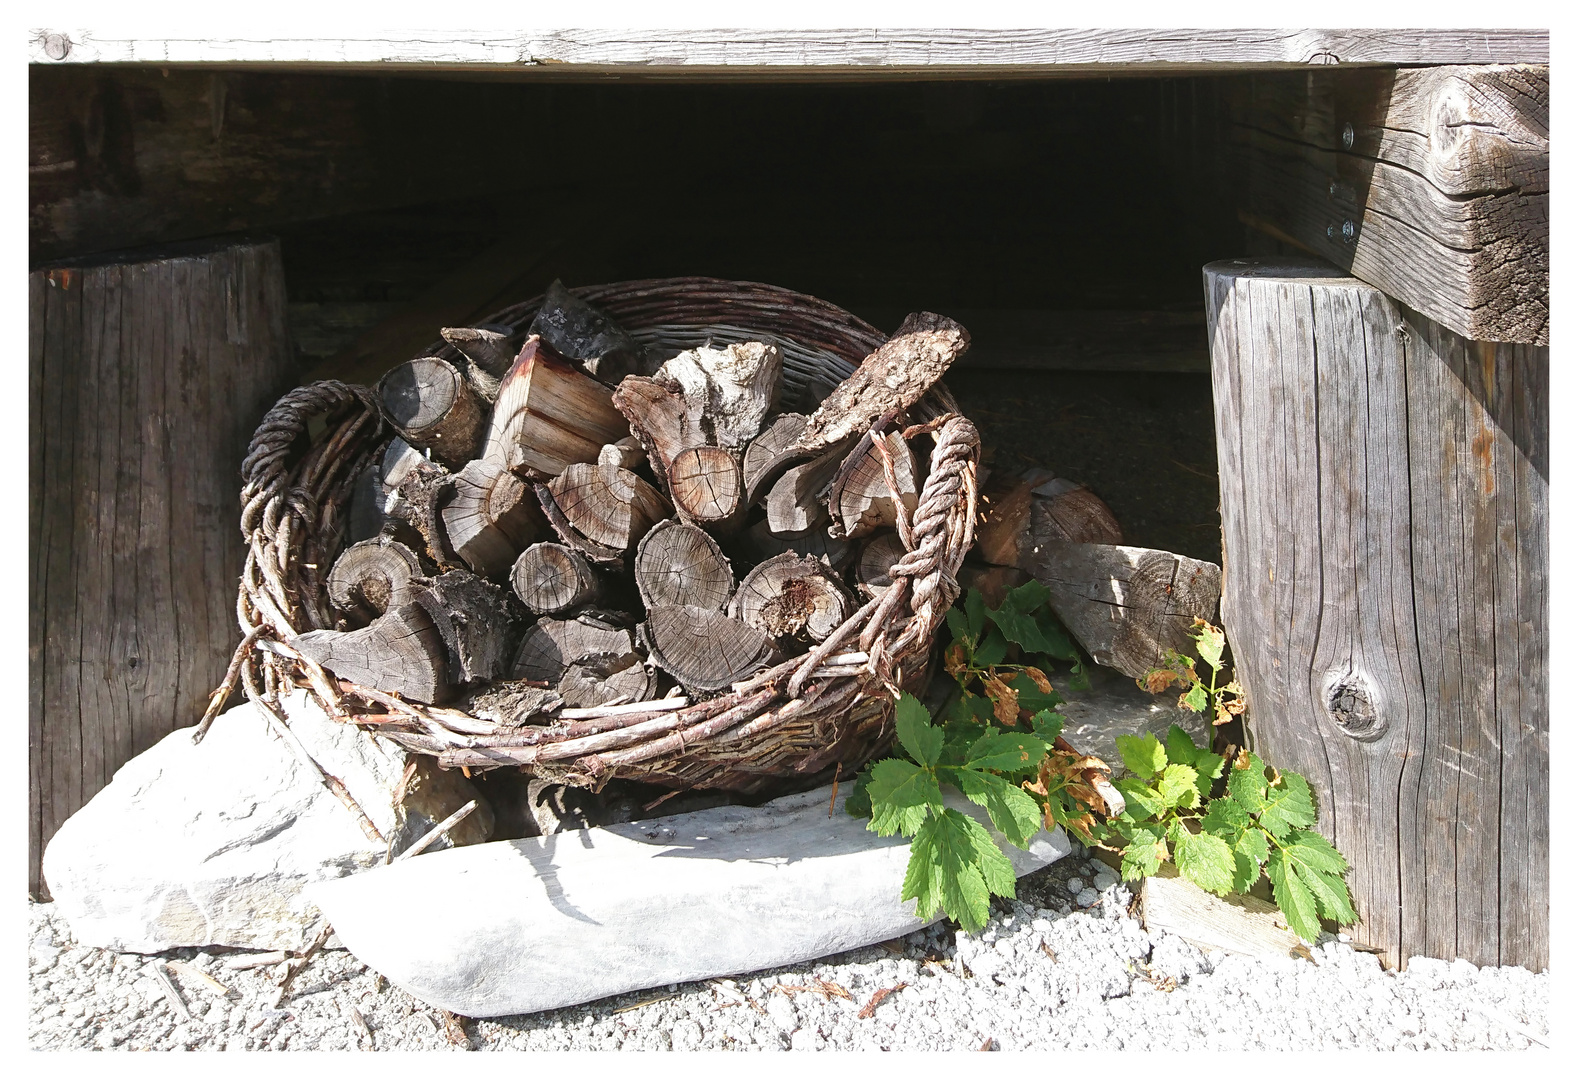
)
(1385, 518)
(559, 54)
(1036, 340)
(1432, 184)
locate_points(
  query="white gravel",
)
(1062, 967)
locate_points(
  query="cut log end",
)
(703, 648)
(400, 652)
(791, 598)
(614, 516)
(550, 578)
(678, 564)
(371, 577)
(706, 486)
(431, 405)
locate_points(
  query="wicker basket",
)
(832, 705)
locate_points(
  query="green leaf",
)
(1331, 893)
(959, 625)
(1246, 872)
(920, 739)
(1144, 853)
(990, 652)
(1195, 700)
(1288, 806)
(1142, 755)
(1027, 597)
(1139, 796)
(957, 738)
(1079, 678)
(951, 842)
(1177, 786)
(1248, 786)
(1006, 751)
(858, 803)
(972, 709)
(1031, 696)
(1048, 725)
(975, 612)
(1224, 818)
(1208, 643)
(1205, 860)
(923, 875)
(1315, 851)
(1254, 845)
(1293, 897)
(900, 793)
(995, 867)
(1320, 866)
(1013, 812)
(1181, 749)
(1017, 622)
(1052, 632)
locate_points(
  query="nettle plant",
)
(999, 744)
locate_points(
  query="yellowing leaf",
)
(1038, 677)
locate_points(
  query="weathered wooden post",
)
(147, 376)
(1385, 516)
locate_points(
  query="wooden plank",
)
(1431, 184)
(148, 379)
(1032, 340)
(1246, 925)
(559, 53)
(1384, 513)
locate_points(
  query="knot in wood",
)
(1351, 704)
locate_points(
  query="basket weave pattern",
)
(834, 704)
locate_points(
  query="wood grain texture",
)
(1246, 925)
(146, 381)
(1385, 515)
(1431, 184)
(562, 53)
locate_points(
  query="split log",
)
(549, 415)
(792, 598)
(728, 392)
(706, 487)
(491, 518)
(399, 459)
(371, 577)
(486, 355)
(861, 499)
(434, 409)
(400, 652)
(512, 704)
(615, 515)
(1127, 606)
(770, 453)
(877, 556)
(704, 648)
(1246, 925)
(627, 453)
(678, 564)
(888, 381)
(814, 542)
(1039, 508)
(364, 518)
(423, 491)
(611, 559)
(478, 621)
(793, 503)
(552, 645)
(657, 417)
(585, 334)
(587, 684)
(550, 578)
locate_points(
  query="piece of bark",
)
(513, 703)
(815, 542)
(491, 518)
(364, 518)
(552, 645)
(705, 484)
(770, 453)
(434, 409)
(1126, 605)
(613, 515)
(656, 417)
(677, 564)
(877, 556)
(702, 647)
(549, 415)
(890, 380)
(861, 499)
(587, 335)
(606, 558)
(372, 576)
(792, 598)
(587, 684)
(728, 392)
(423, 491)
(550, 578)
(486, 354)
(794, 502)
(480, 623)
(1040, 508)
(400, 652)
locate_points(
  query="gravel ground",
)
(1062, 967)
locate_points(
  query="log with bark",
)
(423, 491)
(400, 652)
(794, 503)
(792, 599)
(583, 333)
(703, 648)
(728, 392)
(372, 576)
(478, 621)
(677, 563)
(873, 486)
(657, 417)
(486, 354)
(877, 557)
(491, 518)
(550, 578)
(549, 415)
(434, 409)
(512, 703)
(590, 659)
(770, 453)
(1019, 519)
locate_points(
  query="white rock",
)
(211, 844)
(524, 925)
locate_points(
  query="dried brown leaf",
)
(1038, 677)
(878, 998)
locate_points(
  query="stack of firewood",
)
(569, 519)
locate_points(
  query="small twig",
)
(405, 779)
(877, 999)
(661, 799)
(359, 1022)
(171, 994)
(203, 977)
(247, 963)
(667, 704)
(294, 967)
(227, 686)
(833, 799)
(436, 831)
(643, 1004)
(277, 722)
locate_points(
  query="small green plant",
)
(1218, 700)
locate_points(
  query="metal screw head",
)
(57, 46)
(1331, 232)
(1347, 136)
(1348, 229)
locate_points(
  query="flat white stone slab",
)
(518, 926)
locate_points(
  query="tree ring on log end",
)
(1350, 702)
